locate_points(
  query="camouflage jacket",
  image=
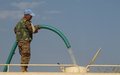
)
(23, 30)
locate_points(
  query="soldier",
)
(24, 33)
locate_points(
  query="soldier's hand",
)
(36, 28)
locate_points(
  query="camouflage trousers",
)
(24, 50)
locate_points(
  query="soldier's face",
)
(28, 17)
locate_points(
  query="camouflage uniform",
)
(24, 35)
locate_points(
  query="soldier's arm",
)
(33, 28)
(28, 26)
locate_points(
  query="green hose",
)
(58, 32)
(10, 56)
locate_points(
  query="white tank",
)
(76, 69)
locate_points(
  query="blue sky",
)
(88, 24)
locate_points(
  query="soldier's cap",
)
(29, 11)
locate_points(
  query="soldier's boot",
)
(23, 69)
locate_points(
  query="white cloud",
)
(4, 14)
(3, 30)
(10, 14)
(53, 12)
(50, 13)
(23, 5)
(45, 18)
(15, 14)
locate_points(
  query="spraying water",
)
(72, 56)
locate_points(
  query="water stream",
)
(72, 56)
